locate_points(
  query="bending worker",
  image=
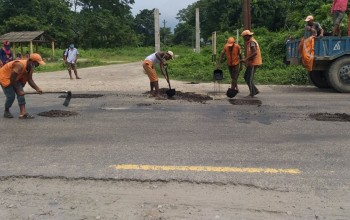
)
(13, 77)
(233, 57)
(148, 66)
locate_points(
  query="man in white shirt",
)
(149, 67)
(71, 56)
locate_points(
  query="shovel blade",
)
(67, 99)
(170, 92)
(231, 93)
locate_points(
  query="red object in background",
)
(348, 24)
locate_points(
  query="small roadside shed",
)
(33, 38)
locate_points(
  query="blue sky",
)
(167, 8)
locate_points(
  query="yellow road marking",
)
(204, 169)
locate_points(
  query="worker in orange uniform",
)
(13, 77)
(232, 51)
(252, 60)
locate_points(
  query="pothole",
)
(143, 104)
(188, 96)
(245, 102)
(192, 83)
(330, 117)
(57, 113)
(82, 96)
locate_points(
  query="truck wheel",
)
(319, 79)
(339, 74)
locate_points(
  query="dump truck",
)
(327, 60)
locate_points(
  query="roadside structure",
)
(33, 38)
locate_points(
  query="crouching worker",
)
(13, 77)
(148, 66)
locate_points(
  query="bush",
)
(199, 67)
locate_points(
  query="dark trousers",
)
(249, 79)
(11, 95)
(234, 73)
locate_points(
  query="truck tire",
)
(319, 79)
(339, 74)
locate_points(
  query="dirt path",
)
(125, 78)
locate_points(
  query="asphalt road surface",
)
(125, 155)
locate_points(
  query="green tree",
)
(297, 10)
(98, 23)
(116, 6)
(57, 19)
(52, 16)
(144, 27)
(105, 23)
(184, 34)
(166, 35)
(101, 29)
(226, 15)
(21, 23)
(218, 15)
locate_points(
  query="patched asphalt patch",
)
(245, 102)
(57, 113)
(187, 96)
(82, 96)
(330, 117)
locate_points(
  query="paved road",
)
(274, 146)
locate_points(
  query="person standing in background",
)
(6, 54)
(312, 28)
(71, 57)
(338, 11)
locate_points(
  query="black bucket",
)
(231, 92)
(218, 74)
(171, 92)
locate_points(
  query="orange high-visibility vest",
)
(257, 60)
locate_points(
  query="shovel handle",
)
(167, 76)
(34, 93)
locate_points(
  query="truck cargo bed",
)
(325, 48)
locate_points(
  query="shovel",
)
(66, 100)
(231, 92)
(170, 92)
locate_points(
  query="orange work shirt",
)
(232, 54)
(6, 70)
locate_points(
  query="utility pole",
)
(156, 30)
(247, 22)
(213, 44)
(164, 33)
(198, 40)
